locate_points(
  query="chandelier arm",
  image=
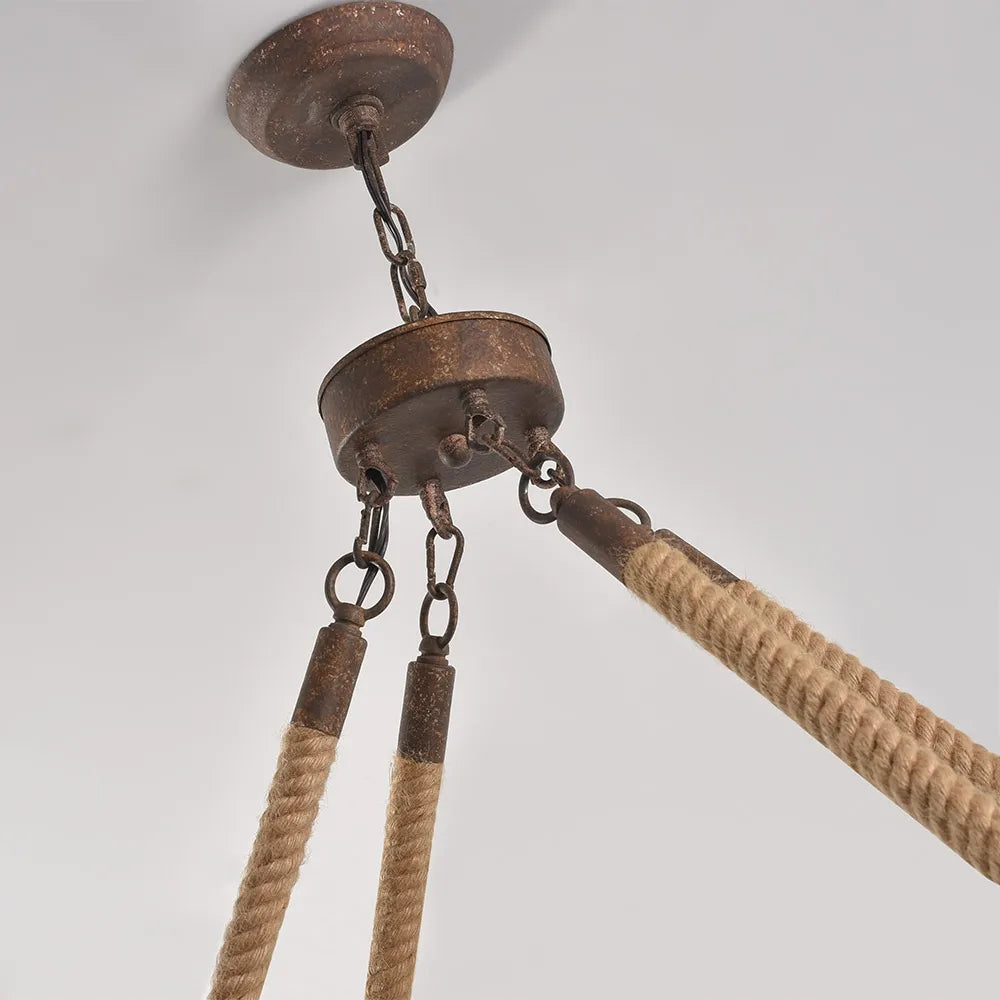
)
(976, 762)
(416, 771)
(308, 748)
(935, 772)
(414, 791)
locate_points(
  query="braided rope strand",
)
(409, 831)
(976, 762)
(854, 727)
(273, 869)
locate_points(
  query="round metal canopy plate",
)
(282, 96)
(402, 392)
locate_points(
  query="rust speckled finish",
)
(285, 93)
(333, 671)
(609, 536)
(403, 392)
(423, 727)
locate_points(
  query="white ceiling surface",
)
(763, 240)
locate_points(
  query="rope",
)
(976, 762)
(409, 830)
(292, 804)
(855, 728)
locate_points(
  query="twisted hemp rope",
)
(980, 765)
(409, 831)
(273, 869)
(927, 767)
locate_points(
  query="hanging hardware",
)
(436, 507)
(440, 590)
(307, 754)
(486, 430)
(405, 271)
(444, 401)
(407, 391)
(359, 122)
(373, 535)
(369, 546)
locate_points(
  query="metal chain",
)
(405, 271)
(370, 545)
(441, 590)
(487, 431)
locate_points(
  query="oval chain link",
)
(441, 590)
(405, 272)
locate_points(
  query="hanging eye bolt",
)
(437, 508)
(484, 427)
(376, 481)
(360, 114)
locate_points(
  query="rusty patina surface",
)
(333, 671)
(423, 727)
(288, 94)
(600, 528)
(404, 391)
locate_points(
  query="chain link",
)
(369, 546)
(405, 271)
(487, 431)
(441, 590)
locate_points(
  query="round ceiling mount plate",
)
(284, 93)
(403, 393)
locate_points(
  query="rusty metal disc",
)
(284, 93)
(403, 392)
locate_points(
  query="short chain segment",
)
(394, 235)
(369, 547)
(436, 506)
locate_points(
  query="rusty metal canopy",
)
(285, 92)
(403, 392)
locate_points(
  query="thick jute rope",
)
(273, 868)
(409, 831)
(976, 762)
(854, 727)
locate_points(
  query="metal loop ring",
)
(485, 430)
(405, 250)
(538, 516)
(371, 492)
(561, 475)
(425, 610)
(435, 589)
(630, 505)
(371, 559)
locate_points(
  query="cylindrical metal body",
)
(401, 394)
(328, 686)
(609, 536)
(409, 827)
(423, 727)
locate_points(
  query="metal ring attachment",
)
(632, 507)
(538, 516)
(561, 475)
(371, 559)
